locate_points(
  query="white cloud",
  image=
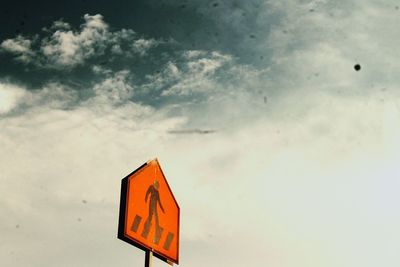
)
(17, 45)
(115, 89)
(260, 174)
(65, 47)
(10, 97)
(20, 47)
(69, 48)
(60, 25)
(141, 46)
(52, 95)
(195, 75)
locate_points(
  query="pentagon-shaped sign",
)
(149, 212)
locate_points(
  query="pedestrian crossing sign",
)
(149, 212)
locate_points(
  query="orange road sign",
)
(149, 212)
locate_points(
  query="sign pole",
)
(148, 260)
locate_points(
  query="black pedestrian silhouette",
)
(152, 191)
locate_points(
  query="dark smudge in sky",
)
(192, 131)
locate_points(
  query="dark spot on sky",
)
(191, 131)
(22, 23)
(215, 4)
(357, 67)
(17, 226)
(79, 219)
(265, 100)
(397, 7)
(183, 6)
(252, 36)
(311, 10)
(261, 57)
(84, 201)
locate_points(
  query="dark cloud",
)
(188, 23)
(95, 59)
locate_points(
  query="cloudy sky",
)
(279, 152)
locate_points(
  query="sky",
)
(279, 152)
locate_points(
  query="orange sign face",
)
(149, 213)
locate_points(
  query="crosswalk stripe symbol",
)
(136, 223)
(158, 235)
(168, 241)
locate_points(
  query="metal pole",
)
(149, 255)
